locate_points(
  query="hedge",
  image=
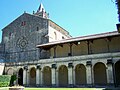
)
(5, 80)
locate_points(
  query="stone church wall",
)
(22, 35)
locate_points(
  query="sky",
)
(78, 17)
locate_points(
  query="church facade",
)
(41, 53)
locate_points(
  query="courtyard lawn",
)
(7, 88)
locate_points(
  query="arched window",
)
(47, 80)
(100, 71)
(63, 37)
(55, 36)
(80, 74)
(63, 75)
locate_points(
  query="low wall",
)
(1, 68)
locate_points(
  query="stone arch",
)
(63, 75)
(20, 76)
(117, 73)
(10, 71)
(33, 76)
(80, 74)
(100, 71)
(47, 81)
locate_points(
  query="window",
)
(10, 34)
(37, 28)
(23, 23)
(63, 37)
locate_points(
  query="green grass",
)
(63, 89)
(6, 88)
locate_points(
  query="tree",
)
(118, 7)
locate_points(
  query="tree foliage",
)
(118, 7)
(13, 78)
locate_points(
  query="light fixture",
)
(78, 42)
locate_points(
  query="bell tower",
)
(41, 12)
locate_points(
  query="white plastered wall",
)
(51, 34)
(1, 68)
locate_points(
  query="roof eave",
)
(51, 44)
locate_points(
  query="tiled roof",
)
(77, 39)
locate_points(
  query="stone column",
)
(57, 83)
(28, 79)
(38, 75)
(70, 45)
(17, 77)
(25, 75)
(55, 51)
(110, 79)
(89, 73)
(70, 74)
(53, 74)
(41, 78)
(74, 77)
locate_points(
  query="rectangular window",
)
(23, 23)
(37, 28)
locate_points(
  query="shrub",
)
(4, 80)
(13, 78)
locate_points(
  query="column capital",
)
(25, 67)
(88, 63)
(70, 65)
(109, 62)
(38, 66)
(54, 66)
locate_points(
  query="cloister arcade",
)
(77, 74)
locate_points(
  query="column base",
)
(25, 85)
(89, 85)
(110, 84)
(54, 85)
(71, 85)
(37, 85)
(41, 85)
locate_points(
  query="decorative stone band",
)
(70, 65)
(109, 61)
(88, 63)
(54, 66)
(15, 88)
(68, 59)
(26, 67)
